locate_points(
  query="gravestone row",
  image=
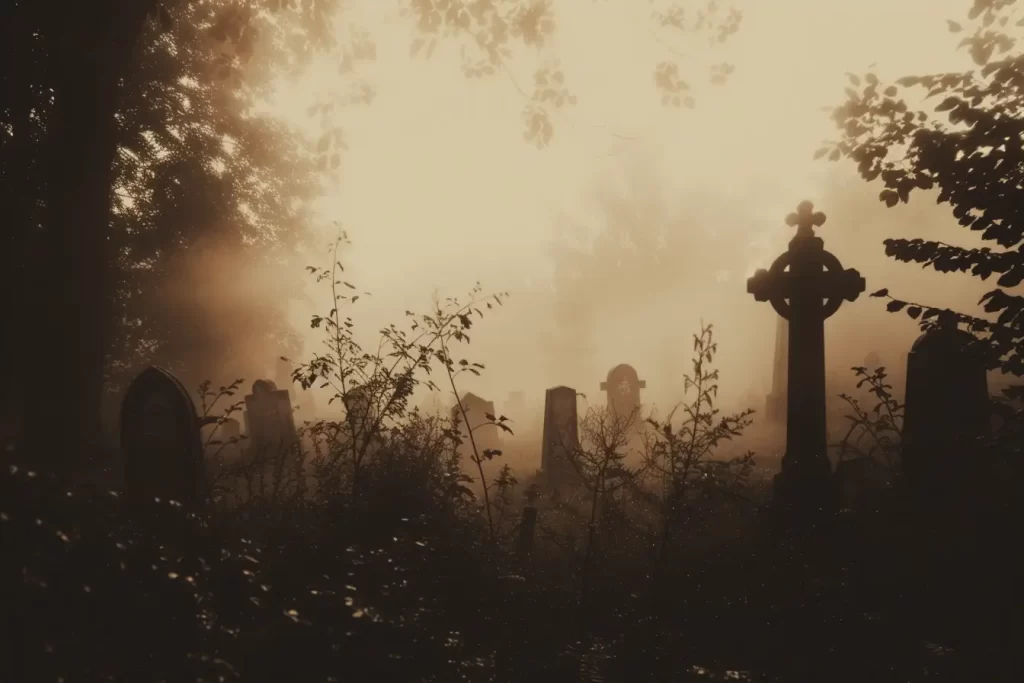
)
(161, 439)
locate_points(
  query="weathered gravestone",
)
(775, 403)
(806, 285)
(160, 440)
(484, 431)
(622, 387)
(560, 438)
(947, 404)
(269, 420)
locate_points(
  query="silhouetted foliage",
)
(967, 147)
(876, 430)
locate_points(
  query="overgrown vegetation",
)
(387, 564)
(380, 545)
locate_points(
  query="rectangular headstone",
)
(485, 434)
(269, 418)
(561, 436)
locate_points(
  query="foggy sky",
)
(438, 188)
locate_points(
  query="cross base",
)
(806, 492)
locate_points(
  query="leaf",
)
(416, 46)
(834, 155)
(953, 26)
(880, 293)
(890, 198)
(948, 104)
(914, 312)
(854, 79)
(891, 91)
(894, 306)
(820, 153)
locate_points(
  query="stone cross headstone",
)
(485, 433)
(160, 440)
(806, 285)
(775, 403)
(947, 402)
(560, 438)
(623, 386)
(269, 419)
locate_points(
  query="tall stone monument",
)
(561, 437)
(806, 285)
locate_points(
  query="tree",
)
(375, 386)
(969, 147)
(206, 194)
(71, 118)
(875, 431)
(79, 60)
(600, 459)
(684, 457)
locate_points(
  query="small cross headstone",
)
(560, 438)
(947, 402)
(269, 419)
(805, 285)
(160, 440)
(623, 386)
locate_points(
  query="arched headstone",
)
(947, 401)
(163, 451)
(623, 387)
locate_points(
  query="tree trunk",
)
(70, 316)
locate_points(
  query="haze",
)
(639, 220)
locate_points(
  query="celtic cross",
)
(805, 285)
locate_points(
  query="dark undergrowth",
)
(95, 588)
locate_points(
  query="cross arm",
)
(762, 285)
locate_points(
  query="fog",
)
(639, 221)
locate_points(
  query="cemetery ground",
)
(407, 581)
